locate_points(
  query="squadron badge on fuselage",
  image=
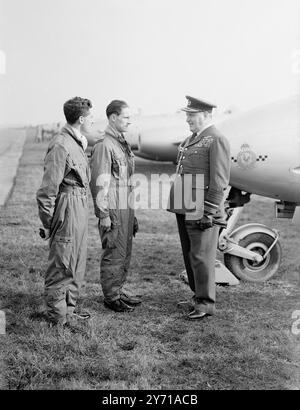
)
(246, 158)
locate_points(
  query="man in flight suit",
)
(205, 153)
(63, 210)
(112, 165)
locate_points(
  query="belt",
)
(75, 190)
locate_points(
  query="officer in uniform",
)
(204, 157)
(112, 165)
(63, 210)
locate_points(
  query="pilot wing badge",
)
(246, 158)
(205, 142)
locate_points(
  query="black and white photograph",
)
(149, 198)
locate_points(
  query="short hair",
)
(115, 107)
(75, 108)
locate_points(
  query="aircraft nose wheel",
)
(261, 249)
(252, 271)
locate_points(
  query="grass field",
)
(247, 345)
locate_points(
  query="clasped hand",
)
(135, 226)
(205, 222)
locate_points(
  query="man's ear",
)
(205, 115)
(113, 117)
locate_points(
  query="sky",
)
(150, 53)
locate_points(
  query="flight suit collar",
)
(120, 138)
(114, 133)
(81, 138)
(70, 130)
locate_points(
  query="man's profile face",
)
(87, 122)
(195, 120)
(122, 121)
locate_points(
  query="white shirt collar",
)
(80, 138)
(204, 128)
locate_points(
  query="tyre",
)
(252, 271)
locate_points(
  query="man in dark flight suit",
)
(205, 153)
(112, 166)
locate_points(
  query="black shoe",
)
(81, 315)
(118, 306)
(187, 303)
(130, 300)
(197, 315)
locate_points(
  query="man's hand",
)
(44, 233)
(110, 238)
(105, 223)
(205, 222)
(135, 226)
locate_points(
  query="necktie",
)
(125, 144)
(194, 135)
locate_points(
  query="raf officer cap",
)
(196, 105)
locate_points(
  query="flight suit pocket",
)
(119, 168)
(63, 250)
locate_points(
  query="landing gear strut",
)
(252, 252)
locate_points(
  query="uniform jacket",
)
(65, 166)
(208, 155)
(112, 165)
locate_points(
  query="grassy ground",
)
(247, 345)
